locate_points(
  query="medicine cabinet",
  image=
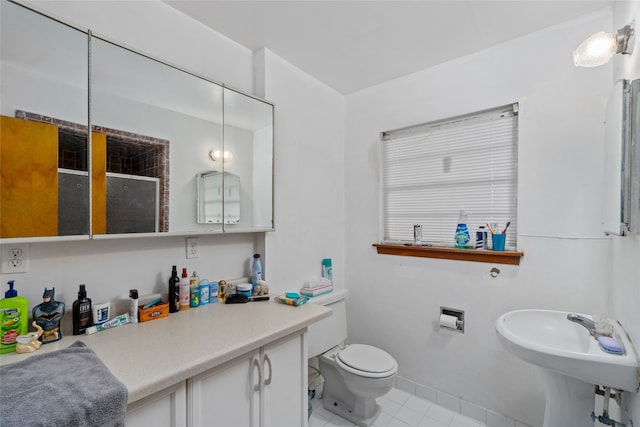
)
(213, 187)
(133, 168)
(622, 160)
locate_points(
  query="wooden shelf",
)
(495, 257)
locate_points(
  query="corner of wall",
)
(259, 73)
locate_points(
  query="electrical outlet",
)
(193, 251)
(15, 259)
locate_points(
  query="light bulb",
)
(217, 155)
(596, 50)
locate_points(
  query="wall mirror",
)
(622, 160)
(248, 142)
(153, 126)
(236, 191)
(156, 124)
(43, 141)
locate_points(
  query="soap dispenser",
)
(14, 319)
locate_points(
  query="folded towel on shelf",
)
(68, 387)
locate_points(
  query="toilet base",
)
(370, 406)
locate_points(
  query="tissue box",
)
(156, 312)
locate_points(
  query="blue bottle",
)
(256, 271)
(462, 232)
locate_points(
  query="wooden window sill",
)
(495, 257)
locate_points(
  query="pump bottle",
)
(14, 319)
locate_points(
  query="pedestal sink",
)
(571, 359)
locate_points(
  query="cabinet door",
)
(164, 408)
(284, 392)
(226, 395)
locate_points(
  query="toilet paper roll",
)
(447, 321)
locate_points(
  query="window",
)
(433, 170)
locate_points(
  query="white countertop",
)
(150, 356)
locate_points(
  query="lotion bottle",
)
(256, 271)
(194, 290)
(133, 305)
(184, 291)
(81, 312)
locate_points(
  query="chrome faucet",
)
(589, 324)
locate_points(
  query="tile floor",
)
(399, 409)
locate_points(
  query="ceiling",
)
(352, 45)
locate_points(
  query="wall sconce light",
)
(600, 47)
(217, 155)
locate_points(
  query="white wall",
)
(624, 284)
(309, 174)
(566, 257)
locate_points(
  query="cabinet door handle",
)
(268, 380)
(256, 387)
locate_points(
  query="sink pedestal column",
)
(569, 402)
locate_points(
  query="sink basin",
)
(547, 339)
(571, 359)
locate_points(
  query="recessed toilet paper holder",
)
(445, 320)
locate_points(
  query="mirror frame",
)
(621, 197)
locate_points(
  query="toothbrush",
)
(505, 228)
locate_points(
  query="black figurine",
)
(48, 316)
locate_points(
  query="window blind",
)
(433, 170)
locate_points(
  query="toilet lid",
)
(367, 359)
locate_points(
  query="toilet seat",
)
(366, 361)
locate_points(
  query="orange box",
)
(152, 313)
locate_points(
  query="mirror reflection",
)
(154, 128)
(156, 124)
(43, 141)
(218, 198)
(248, 140)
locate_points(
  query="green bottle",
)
(14, 319)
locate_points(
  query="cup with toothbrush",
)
(498, 238)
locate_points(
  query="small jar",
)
(244, 289)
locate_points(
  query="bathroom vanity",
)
(237, 364)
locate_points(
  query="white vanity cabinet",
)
(264, 388)
(167, 407)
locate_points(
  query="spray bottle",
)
(81, 312)
(174, 292)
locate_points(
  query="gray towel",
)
(68, 387)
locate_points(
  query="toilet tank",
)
(330, 331)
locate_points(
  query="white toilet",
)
(355, 374)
